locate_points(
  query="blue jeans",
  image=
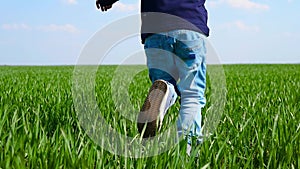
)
(179, 58)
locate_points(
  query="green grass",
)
(39, 127)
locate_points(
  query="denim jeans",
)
(179, 57)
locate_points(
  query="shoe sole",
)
(150, 114)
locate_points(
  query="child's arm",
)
(105, 4)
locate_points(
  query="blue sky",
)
(54, 32)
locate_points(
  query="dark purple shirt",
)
(191, 14)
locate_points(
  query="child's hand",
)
(105, 4)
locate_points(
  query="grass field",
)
(39, 128)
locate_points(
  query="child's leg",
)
(191, 52)
(160, 58)
(162, 94)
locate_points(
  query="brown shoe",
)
(160, 98)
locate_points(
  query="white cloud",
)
(247, 4)
(15, 26)
(71, 2)
(290, 35)
(46, 28)
(126, 7)
(241, 26)
(240, 4)
(214, 3)
(59, 28)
